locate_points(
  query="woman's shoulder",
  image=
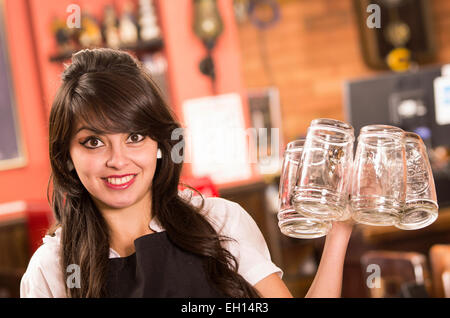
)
(225, 215)
(48, 253)
(43, 275)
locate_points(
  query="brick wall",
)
(310, 52)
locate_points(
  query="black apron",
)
(158, 269)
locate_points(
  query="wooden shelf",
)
(148, 46)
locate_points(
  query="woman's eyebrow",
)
(95, 131)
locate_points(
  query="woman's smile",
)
(120, 182)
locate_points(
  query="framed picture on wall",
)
(217, 144)
(11, 145)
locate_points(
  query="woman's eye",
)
(136, 138)
(92, 142)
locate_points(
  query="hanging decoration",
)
(207, 26)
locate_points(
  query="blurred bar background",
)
(288, 62)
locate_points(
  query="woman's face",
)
(116, 169)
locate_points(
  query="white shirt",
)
(43, 277)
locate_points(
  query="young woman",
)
(123, 229)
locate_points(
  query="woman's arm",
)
(272, 287)
(328, 280)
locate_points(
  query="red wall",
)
(30, 181)
(36, 78)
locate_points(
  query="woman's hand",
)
(328, 280)
(341, 229)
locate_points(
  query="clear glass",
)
(291, 222)
(421, 207)
(323, 187)
(379, 176)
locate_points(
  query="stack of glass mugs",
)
(388, 183)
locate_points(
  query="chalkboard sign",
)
(11, 149)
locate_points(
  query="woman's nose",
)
(117, 158)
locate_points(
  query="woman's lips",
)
(120, 186)
(120, 176)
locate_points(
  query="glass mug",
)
(379, 176)
(421, 208)
(291, 222)
(323, 186)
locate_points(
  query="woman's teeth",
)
(119, 181)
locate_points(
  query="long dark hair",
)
(111, 91)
